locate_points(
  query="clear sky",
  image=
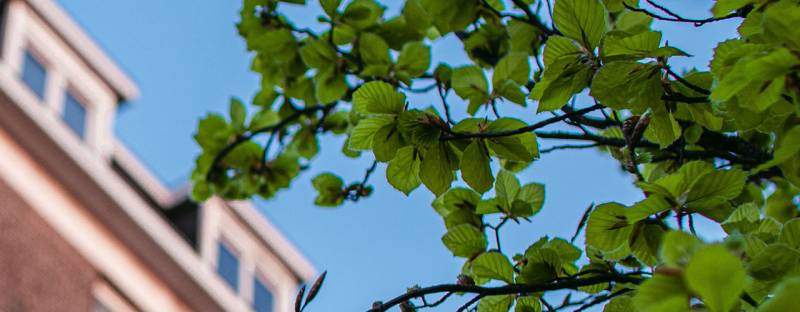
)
(188, 59)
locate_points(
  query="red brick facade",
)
(39, 270)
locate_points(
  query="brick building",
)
(84, 226)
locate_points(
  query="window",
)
(34, 74)
(74, 114)
(228, 266)
(262, 297)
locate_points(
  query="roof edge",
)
(90, 52)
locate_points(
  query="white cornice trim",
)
(92, 54)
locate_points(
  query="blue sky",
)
(188, 59)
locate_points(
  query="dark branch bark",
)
(674, 17)
(538, 125)
(505, 290)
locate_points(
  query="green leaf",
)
(475, 169)
(386, 142)
(263, 118)
(561, 81)
(558, 47)
(677, 247)
(608, 228)
(533, 196)
(521, 147)
(647, 207)
(528, 304)
(715, 188)
(630, 85)
(582, 20)
(362, 135)
(662, 293)
(633, 22)
(318, 54)
(717, 276)
(788, 146)
(330, 6)
(362, 14)
(470, 84)
(773, 262)
(213, 133)
(378, 97)
(664, 129)
(725, 7)
(744, 219)
(237, 113)
(496, 303)
(403, 171)
(514, 66)
(493, 265)
(645, 242)
(522, 35)
(420, 128)
(436, 170)
(640, 45)
(620, 304)
(374, 50)
(330, 188)
(506, 188)
(784, 298)
(790, 234)
(414, 59)
(329, 86)
(465, 241)
(780, 22)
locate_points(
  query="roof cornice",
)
(86, 48)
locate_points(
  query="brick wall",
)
(39, 270)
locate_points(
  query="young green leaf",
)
(608, 228)
(470, 84)
(414, 59)
(475, 169)
(493, 265)
(465, 241)
(717, 276)
(436, 169)
(581, 20)
(378, 97)
(662, 293)
(403, 171)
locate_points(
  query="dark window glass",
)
(75, 114)
(228, 266)
(34, 74)
(262, 297)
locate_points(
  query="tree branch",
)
(673, 17)
(541, 124)
(505, 290)
(249, 135)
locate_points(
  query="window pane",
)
(34, 74)
(74, 114)
(228, 266)
(262, 297)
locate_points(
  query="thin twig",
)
(582, 223)
(673, 17)
(569, 146)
